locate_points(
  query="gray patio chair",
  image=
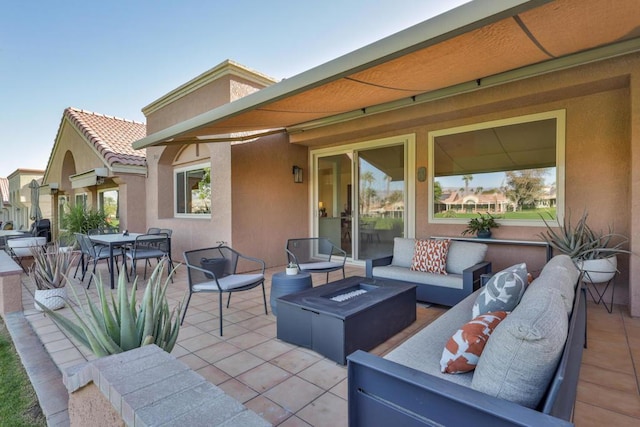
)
(316, 255)
(146, 247)
(91, 253)
(215, 270)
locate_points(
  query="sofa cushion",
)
(423, 350)
(453, 281)
(462, 351)
(403, 251)
(430, 256)
(562, 274)
(463, 255)
(523, 352)
(503, 291)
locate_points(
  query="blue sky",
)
(115, 57)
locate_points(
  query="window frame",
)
(184, 169)
(558, 115)
(101, 200)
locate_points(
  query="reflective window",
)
(513, 169)
(193, 190)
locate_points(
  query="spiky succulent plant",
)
(50, 267)
(118, 324)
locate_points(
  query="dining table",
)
(115, 240)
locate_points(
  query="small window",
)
(511, 168)
(63, 208)
(108, 202)
(193, 190)
(81, 199)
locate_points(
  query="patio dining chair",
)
(146, 247)
(215, 270)
(91, 253)
(316, 255)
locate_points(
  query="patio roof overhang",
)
(479, 44)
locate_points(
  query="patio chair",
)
(18, 247)
(215, 270)
(91, 253)
(316, 255)
(146, 247)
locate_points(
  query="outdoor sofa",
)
(527, 373)
(465, 265)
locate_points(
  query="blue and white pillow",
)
(503, 291)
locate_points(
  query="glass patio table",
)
(114, 241)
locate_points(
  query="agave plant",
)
(51, 267)
(581, 242)
(118, 324)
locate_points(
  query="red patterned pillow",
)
(430, 256)
(463, 350)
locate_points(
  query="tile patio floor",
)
(293, 386)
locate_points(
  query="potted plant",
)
(481, 226)
(49, 273)
(292, 269)
(595, 253)
(117, 323)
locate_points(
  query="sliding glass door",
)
(361, 193)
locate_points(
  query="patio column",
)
(634, 260)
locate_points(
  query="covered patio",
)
(293, 386)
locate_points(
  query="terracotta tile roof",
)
(4, 190)
(111, 136)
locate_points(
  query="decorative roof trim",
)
(225, 68)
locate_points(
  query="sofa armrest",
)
(471, 281)
(382, 393)
(377, 262)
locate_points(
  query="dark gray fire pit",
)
(327, 320)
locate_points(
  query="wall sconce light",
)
(99, 180)
(53, 188)
(297, 174)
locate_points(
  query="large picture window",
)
(193, 190)
(512, 168)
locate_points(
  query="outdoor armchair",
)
(316, 255)
(215, 270)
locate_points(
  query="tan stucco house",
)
(19, 202)
(555, 83)
(92, 163)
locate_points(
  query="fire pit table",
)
(341, 317)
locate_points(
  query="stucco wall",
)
(190, 233)
(268, 207)
(214, 94)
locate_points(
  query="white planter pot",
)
(53, 299)
(599, 270)
(291, 271)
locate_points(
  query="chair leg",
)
(229, 299)
(343, 276)
(327, 277)
(95, 262)
(124, 266)
(184, 313)
(264, 298)
(220, 310)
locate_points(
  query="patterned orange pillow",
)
(430, 256)
(463, 350)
